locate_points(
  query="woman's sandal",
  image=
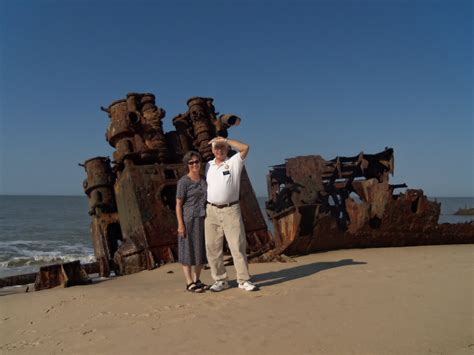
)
(202, 285)
(192, 287)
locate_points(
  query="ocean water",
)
(42, 230)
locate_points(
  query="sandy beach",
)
(414, 300)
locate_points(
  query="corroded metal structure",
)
(347, 202)
(105, 226)
(64, 275)
(132, 203)
(313, 203)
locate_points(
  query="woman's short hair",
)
(187, 157)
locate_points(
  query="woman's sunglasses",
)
(192, 162)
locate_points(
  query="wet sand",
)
(414, 300)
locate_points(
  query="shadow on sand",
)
(276, 277)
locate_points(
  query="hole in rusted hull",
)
(168, 197)
(114, 235)
(170, 174)
(375, 222)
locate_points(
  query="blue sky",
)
(307, 77)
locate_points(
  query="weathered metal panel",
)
(251, 213)
(65, 275)
(146, 203)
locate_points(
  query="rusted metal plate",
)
(259, 238)
(106, 237)
(64, 275)
(22, 279)
(146, 197)
(251, 213)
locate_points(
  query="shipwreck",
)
(314, 204)
(348, 202)
(132, 198)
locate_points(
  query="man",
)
(223, 215)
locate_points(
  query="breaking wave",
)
(25, 256)
(41, 260)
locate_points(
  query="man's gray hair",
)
(220, 143)
(187, 157)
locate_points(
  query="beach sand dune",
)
(414, 300)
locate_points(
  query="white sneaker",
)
(248, 286)
(219, 286)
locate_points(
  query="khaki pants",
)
(226, 221)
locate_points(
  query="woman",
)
(190, 211)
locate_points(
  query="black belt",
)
(224, 205)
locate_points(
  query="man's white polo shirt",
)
(223, 181)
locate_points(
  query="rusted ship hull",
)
(298, 232)
(317, 205)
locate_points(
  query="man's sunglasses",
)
(192, 162)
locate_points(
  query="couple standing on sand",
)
(206, 211)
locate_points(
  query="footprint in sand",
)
(89, 331)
